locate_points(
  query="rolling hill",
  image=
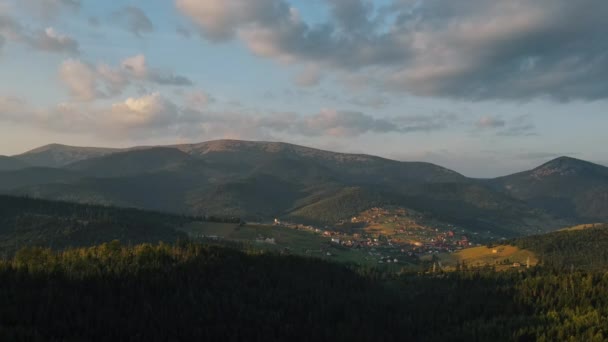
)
(583, 247)
(31, 222)
(262, 180)
(57, 155)
(568, 188)
(578, 248)
(10, 163)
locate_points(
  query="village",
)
(387, 235)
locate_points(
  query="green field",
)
(299, 242)
(502, 257)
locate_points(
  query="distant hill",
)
(56, 155)
(32, 176)
(582, 247)
(30, 222)
(574, 248)
(263, 180)
(568, 188)
(9, 163)
(130, 162)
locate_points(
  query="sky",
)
(485, 88)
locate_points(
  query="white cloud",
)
(87, 82)
(80, 79)
(136, 65)
(138, 68)
(147, 111)
(51, 40)
(153, 115)
(48, 40)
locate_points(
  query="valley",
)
(190, 237)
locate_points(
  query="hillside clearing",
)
(502, 257)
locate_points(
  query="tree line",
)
(192, 291)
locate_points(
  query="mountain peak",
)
(45, 148)
(565, 166)
(60, 147)
(58, 155)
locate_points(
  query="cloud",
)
(371, 101)
(516, 127)
(521, 126)
(80, 79)
(153, 115)
(490, 122)
(49, 8)
(331, 123)
(149, 111)
(336, 123)
(198, 99)
(48, 40)
(11, 108)
(87, 82)
(134, 20)
(470, 49)
(309, 77)
(138, 67)
(53, 41)
(427, 123)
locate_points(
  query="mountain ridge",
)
(262, 180)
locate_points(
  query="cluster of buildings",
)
(389, 234)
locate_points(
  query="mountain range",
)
(259, 181)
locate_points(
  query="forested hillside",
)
(188, 292)
(32, 222)
(579, 249)
(260, 181)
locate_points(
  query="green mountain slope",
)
(56, 155)
(131, 162)
(263, 180)
(579, 248)
(31, 222)
(565, 187)
(16, 179)
(9, 163)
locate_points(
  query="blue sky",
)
(483, 88)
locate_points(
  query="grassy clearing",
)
(502, 257)
(269, 237)
(583, 226)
